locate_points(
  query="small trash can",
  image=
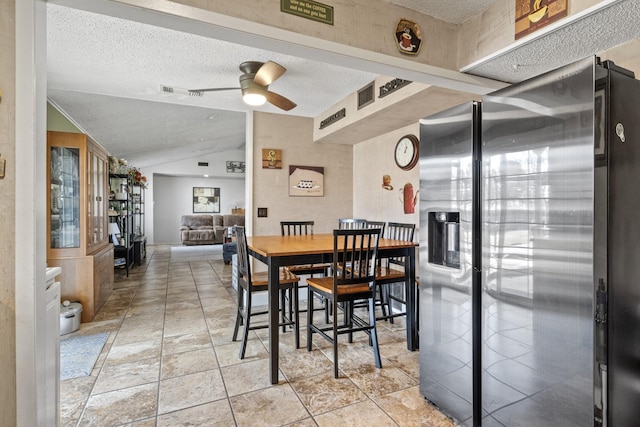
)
(70, 317)
(228, 250)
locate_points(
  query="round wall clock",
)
(406, 153)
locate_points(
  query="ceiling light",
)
(253, 98)
(206, 176)
(252, 93)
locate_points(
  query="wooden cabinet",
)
(77, 238)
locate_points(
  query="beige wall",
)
(7, 213)
(626, 56)
(372, 159)
(294, 136)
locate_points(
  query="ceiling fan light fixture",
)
(252, 93)
(254, 98)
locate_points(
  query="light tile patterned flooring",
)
(169, 361)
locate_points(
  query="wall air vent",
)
(203, 163)
(366, 95)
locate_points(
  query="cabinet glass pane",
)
(96, 220)
(65, 197)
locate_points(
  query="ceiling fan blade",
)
(268, 73)
(214, 89)
(280, 101)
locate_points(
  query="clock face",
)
(406, 153)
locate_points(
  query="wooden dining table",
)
(279, 251)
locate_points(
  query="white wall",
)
(161, 217)
(173, 198)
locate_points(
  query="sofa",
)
(205, 229)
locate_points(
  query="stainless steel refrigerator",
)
(529, 253)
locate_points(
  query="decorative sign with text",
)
(341, 114)
(308, 9)
(531, 15)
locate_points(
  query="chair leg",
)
(283, 304)
(348, 318)
(327, 310)
(373, 333)
(335, 337)
(247, 321)
(387, 291)
(384, 300)
(309, 316)
(238, 313)
(296, 315)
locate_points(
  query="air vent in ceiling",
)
(167, 89)
(195, 93)
(366, 95)
(203, 163)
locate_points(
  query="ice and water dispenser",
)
(444, 238)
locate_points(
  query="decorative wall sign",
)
(408, 37)
(341, 114)
(234, 166)
(206, 200)
(271, 158)
(531, 15)
(306, 181)
(392, 86)
(308, 9)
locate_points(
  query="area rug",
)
(196, 253)
(78, 355)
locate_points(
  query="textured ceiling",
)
(453, 11)
(106, 73)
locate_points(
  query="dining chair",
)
(293, 228)
(375, 224)
(300, 228)
(359, 249)
(351, 223)
(249, 283)
(390, 271)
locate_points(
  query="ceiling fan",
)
(254, 83)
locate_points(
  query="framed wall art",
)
(271, 158)
(235, 166)
(206, 200)
(306, 181)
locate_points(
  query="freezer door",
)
(624, 252)
(537, 240)
(446, 235)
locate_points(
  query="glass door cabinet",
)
(77, 240)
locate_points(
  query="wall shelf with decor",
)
(126, 219)
(139, 239)
(77, 237)
(121, 229)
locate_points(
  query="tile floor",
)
(169, 361)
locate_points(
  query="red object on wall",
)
(409, 199)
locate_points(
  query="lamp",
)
(114, 232)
